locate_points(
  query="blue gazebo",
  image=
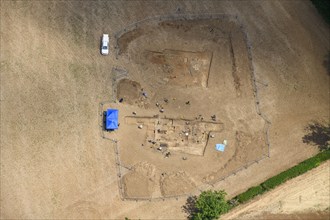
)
(111, 119)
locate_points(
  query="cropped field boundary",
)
(267, 125)
(280, 178)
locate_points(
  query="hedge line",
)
(295, 171)
(250, 193)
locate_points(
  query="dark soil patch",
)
(129, 91)
(127, 38)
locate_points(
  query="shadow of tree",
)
(318, 135)
(326, 63)
(190, 207)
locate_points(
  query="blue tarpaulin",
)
(111, 120)
(220, 147)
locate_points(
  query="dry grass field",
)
(55, 162)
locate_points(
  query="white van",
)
(105, 44)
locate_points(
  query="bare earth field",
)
(249, 57)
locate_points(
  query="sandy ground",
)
(212, 67)
(55, 164)
(307, 193)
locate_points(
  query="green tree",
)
(210, 205)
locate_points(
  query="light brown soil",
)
(172, 184)
(322, 215)
(172, 72)
(54, 162)
(140, 182)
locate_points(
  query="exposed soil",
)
(129, 91)
(55, 164)
(321, 215)
(127, 38)
(172, 183)
(140, 182)
(183, 68)
(186, 83)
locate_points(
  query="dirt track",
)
(54, 164)
(307, 193)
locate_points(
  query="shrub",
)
(250, 193)
(210, 205)
(296, 170)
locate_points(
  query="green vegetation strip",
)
(211, 204)
(295, 171)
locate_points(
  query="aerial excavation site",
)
(129, 109)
